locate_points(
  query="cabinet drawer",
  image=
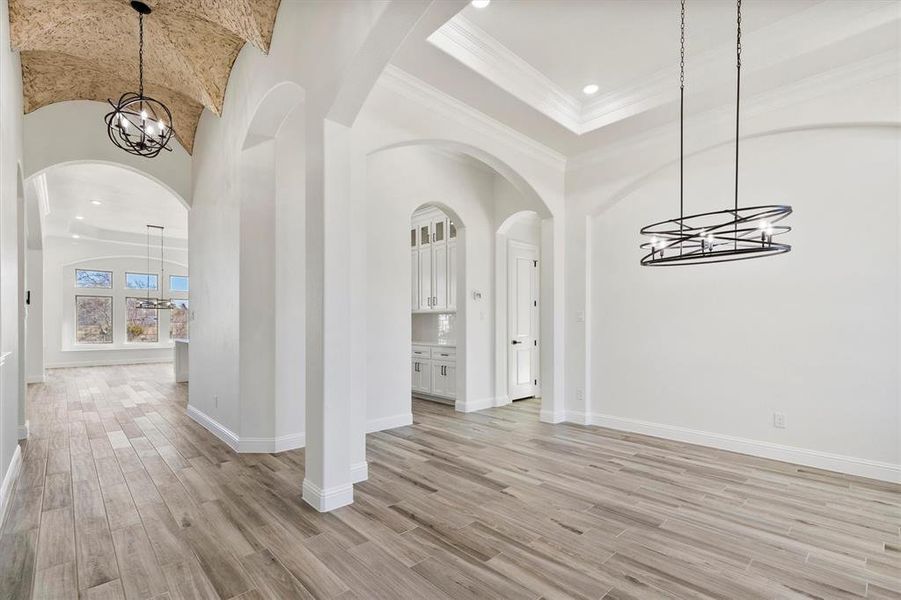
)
(421, 352)
(444, 353)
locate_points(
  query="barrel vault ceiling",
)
(88, 50)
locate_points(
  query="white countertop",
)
(435, 344)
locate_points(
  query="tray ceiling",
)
(89, 51)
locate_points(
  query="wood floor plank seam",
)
(478, 505)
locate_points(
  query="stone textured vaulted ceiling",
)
(88, 50)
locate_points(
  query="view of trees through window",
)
(141, 281)
(94, 314)
(178, 320)
(93, 279)
(141, 324)
(94, 319)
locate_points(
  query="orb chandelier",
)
(139, 124)
(735, 233)
(155, 303)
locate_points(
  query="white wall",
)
(400, 181)
(74, 131)
(61, 258)
(10, 207)
(34, 316)
(707, 353)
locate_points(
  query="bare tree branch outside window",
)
(94, 319)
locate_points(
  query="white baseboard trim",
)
(359, 472)
(259, 445)
(801, 456)
(391, 422)
(549, 416)
(215, 427)
(113, 362)
(329, 499)
(248, 445)
(9, 482)
(23, 430)
(481, 404)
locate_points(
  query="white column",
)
(327, 484)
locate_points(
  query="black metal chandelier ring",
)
(719, 236)
(736, 233)
(139, 124)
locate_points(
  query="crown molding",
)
(475, 48)
(844, 77)
(812, 29)
(444, 105)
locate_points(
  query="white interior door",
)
(522, 320)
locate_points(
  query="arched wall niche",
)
(271, 322)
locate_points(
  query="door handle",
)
(514, 342)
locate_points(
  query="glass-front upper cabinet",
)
(439, 231)
(451, 230)
(424, 235)
(413, 237)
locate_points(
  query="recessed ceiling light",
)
(75, 236)
(480, 3)
(79, 217)
(590, 89)
(96, 202)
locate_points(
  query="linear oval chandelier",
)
(139, 124)
(736, 233)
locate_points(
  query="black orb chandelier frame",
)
(720, 236)
(139, 124)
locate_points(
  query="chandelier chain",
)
(141, 54)
(737, 95)
(681, 120)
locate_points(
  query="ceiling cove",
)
(89, 51)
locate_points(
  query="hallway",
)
(122, 495)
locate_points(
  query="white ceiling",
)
(524, 62)
(613, 43)
(128, 202)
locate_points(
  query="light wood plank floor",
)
(122, 495)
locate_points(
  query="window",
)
(141, 281)
(93, 279)
(178, 283)
(93, 319)
(141, 324)
(178, 320)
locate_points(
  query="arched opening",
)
(476, 190)
(438, 259)
(87, 262)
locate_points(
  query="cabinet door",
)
(439, 231)
(414, 278)
(450, 380)
(439, 381)
(421, 371)
(452, 275)
(439, 276)
(424, 266)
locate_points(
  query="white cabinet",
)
(433, 254)
(444, 379)
(434, 372)
(422, 375)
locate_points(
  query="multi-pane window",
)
(141, 324)
(178, 320)
(178, 283)
(94, 319)
(142, 281)
(85, 278)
